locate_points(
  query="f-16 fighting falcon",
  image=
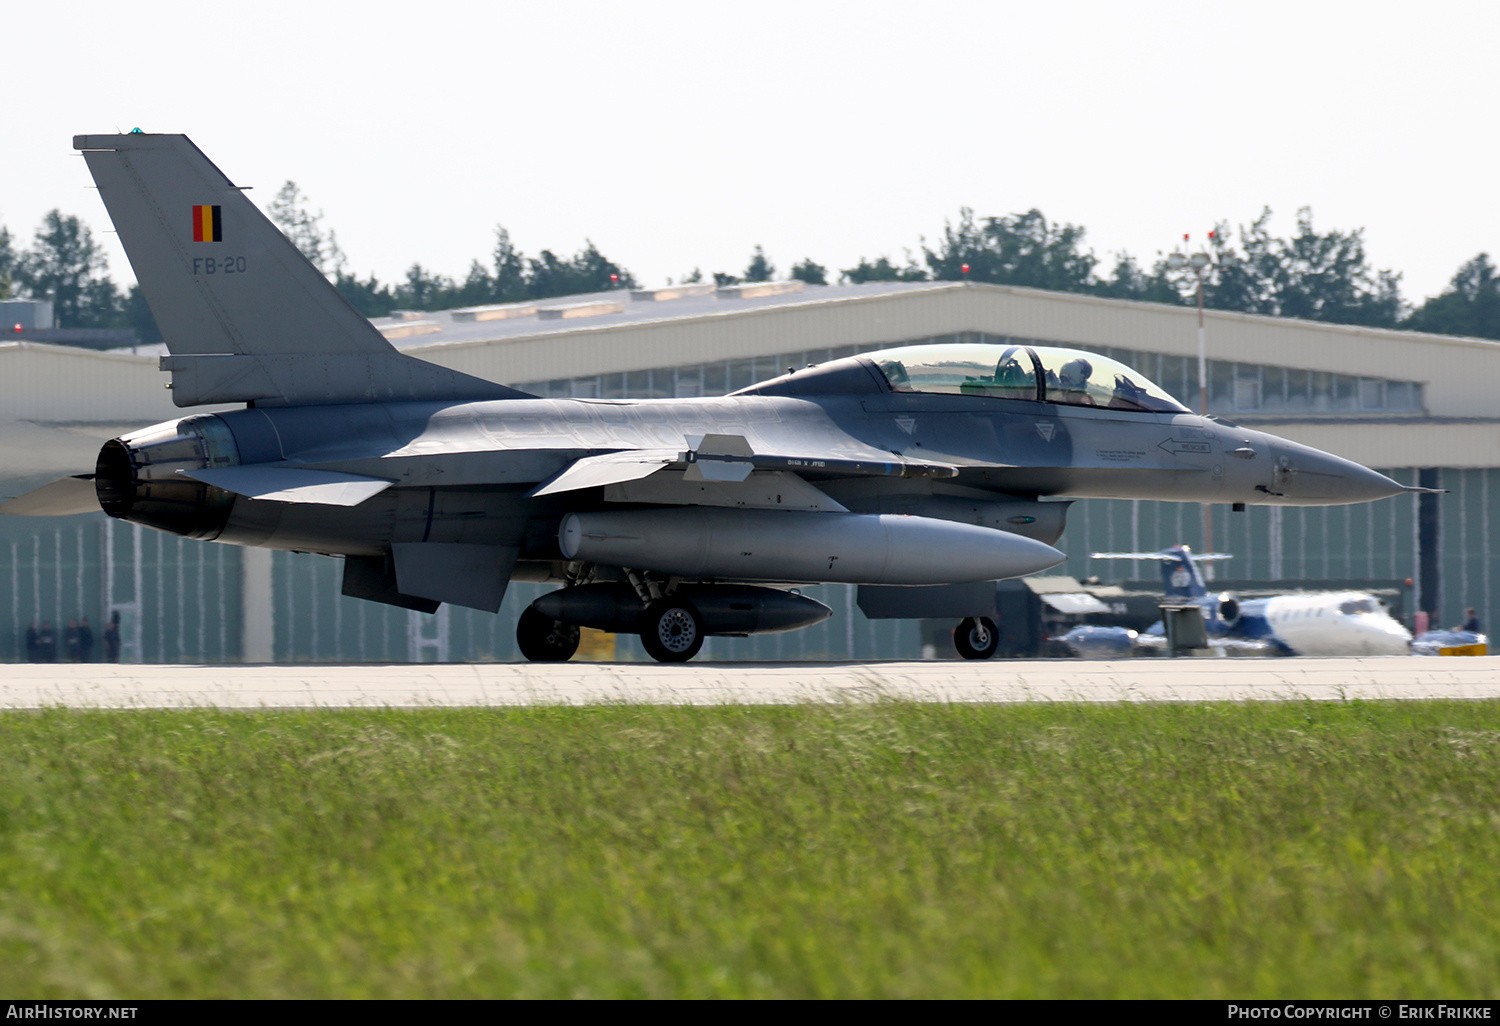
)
(932, 465)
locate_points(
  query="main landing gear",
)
(672, 618)
(671, 630)
(976, 637)
(545, 640)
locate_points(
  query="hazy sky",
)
(681, 134)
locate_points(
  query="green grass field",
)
(887, 850)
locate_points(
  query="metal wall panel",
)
(59, 383)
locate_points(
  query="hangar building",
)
(1418, 407)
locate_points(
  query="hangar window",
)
(1247, 387)
(715, 378)
(741, 375)
(1403, 395)
(1344, 389)
(689, 381)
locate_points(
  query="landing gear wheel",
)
(672, 631)
(976, 637)
(545, 640)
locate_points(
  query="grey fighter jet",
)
(918, 466)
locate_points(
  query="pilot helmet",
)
(1075, 372)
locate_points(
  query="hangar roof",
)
(634, 307)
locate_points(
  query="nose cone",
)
(1015, 556)
(921, 550)
(1312, 477)
(1381, 635)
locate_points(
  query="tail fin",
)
(1179, 568)
(1179, 574)
(246, 317)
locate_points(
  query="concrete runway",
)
(33, 686)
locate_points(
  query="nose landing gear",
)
(976, 637)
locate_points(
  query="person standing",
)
(70, 642)
(46, 643)
(85, 641)
(112, 638)
(33, 643)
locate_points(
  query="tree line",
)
(1311, 274)
(510, 276)
(66, 265)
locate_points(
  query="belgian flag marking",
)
(207, 226)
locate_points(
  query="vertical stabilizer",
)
(244, 314)
(1180, 577)
(1179, 574)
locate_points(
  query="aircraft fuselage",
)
(460, 472)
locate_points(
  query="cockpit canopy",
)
(1039, 373)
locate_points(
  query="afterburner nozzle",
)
(136, 477)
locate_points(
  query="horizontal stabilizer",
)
(609, 468)
(65, 497)
(292, 484)
(293, 379)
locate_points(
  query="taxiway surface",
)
(104, 686)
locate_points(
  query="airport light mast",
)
(1199, 264)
